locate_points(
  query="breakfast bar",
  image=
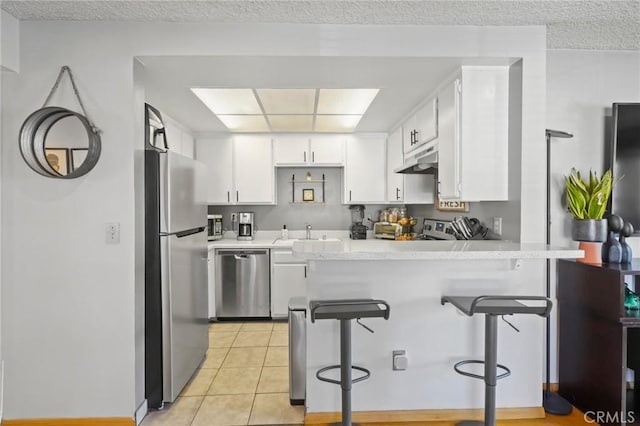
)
(412, 277)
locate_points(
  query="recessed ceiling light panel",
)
(229, 101)
(345, 101)
(337, 123)
(287, 101)
(291, 123)
(245, 123)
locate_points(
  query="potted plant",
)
(587, 201)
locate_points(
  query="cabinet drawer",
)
(284, 256)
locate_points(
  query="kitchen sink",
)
(316, 245)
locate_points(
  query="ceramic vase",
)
(590, 230)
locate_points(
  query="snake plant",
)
(588, 199)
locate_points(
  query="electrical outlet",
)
(400, 360)
(112, 233)
(497, 225)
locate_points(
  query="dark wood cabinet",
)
(598, 340)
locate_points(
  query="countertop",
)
(374, 249)
(429, 250)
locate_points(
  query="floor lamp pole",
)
(552, 402)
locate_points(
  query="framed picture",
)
(58, 159)
(77, 157)
(307, 195)
(451, 206)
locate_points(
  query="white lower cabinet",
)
(211, 282)
(288, 279)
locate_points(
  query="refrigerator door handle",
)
(240, 256)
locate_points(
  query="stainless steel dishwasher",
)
(242, 283)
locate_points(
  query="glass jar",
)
(403, 212)
(383, 215)
(393, 214)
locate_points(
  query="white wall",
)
(581, 86)
(69, 303)
(9, 42)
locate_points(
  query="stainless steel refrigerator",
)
(176, 317)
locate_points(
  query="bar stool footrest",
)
(456, 367)
(338, 382)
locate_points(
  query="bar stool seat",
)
(345, 311)
(492, 307)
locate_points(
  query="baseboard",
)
(89, 421)
(419, 416)
(141, 412)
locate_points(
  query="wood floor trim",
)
(89, 421)
(425, 415)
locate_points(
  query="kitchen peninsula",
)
(412, 276)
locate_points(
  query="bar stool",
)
(492, 307)
(345, 311)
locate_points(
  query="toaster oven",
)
(386, 230)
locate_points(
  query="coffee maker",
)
(246, 226)
(358, 230)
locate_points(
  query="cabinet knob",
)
(397, 194)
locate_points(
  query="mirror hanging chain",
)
(64, 68)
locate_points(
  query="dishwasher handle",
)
(242, 253)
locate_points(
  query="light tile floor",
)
(244, 380)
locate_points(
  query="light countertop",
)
(373, 249)
(429, 250)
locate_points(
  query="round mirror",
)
(57, 142)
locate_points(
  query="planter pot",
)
(591, 230)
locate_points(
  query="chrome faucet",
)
(308, 232)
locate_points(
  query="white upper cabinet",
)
(327, 150)
(217, 155)
(290, 150)
(253, 170)
(239, 169)
(421, 126)
(308, 150)
(179, 139)
(364, 170)
(395, 181)
(474, 135)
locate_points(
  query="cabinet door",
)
(427, 122)
(364, 170)
(419, 189)
(174, 135)
(408, 129)
(395, 181)
(216, 154)
(327, 150)
(253, 170)
(211, 282)
(290, 150)
(287, 281)
(449, 142)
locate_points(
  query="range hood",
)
(423, 162)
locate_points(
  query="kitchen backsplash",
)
(333, 215)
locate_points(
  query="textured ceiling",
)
(572, 24)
